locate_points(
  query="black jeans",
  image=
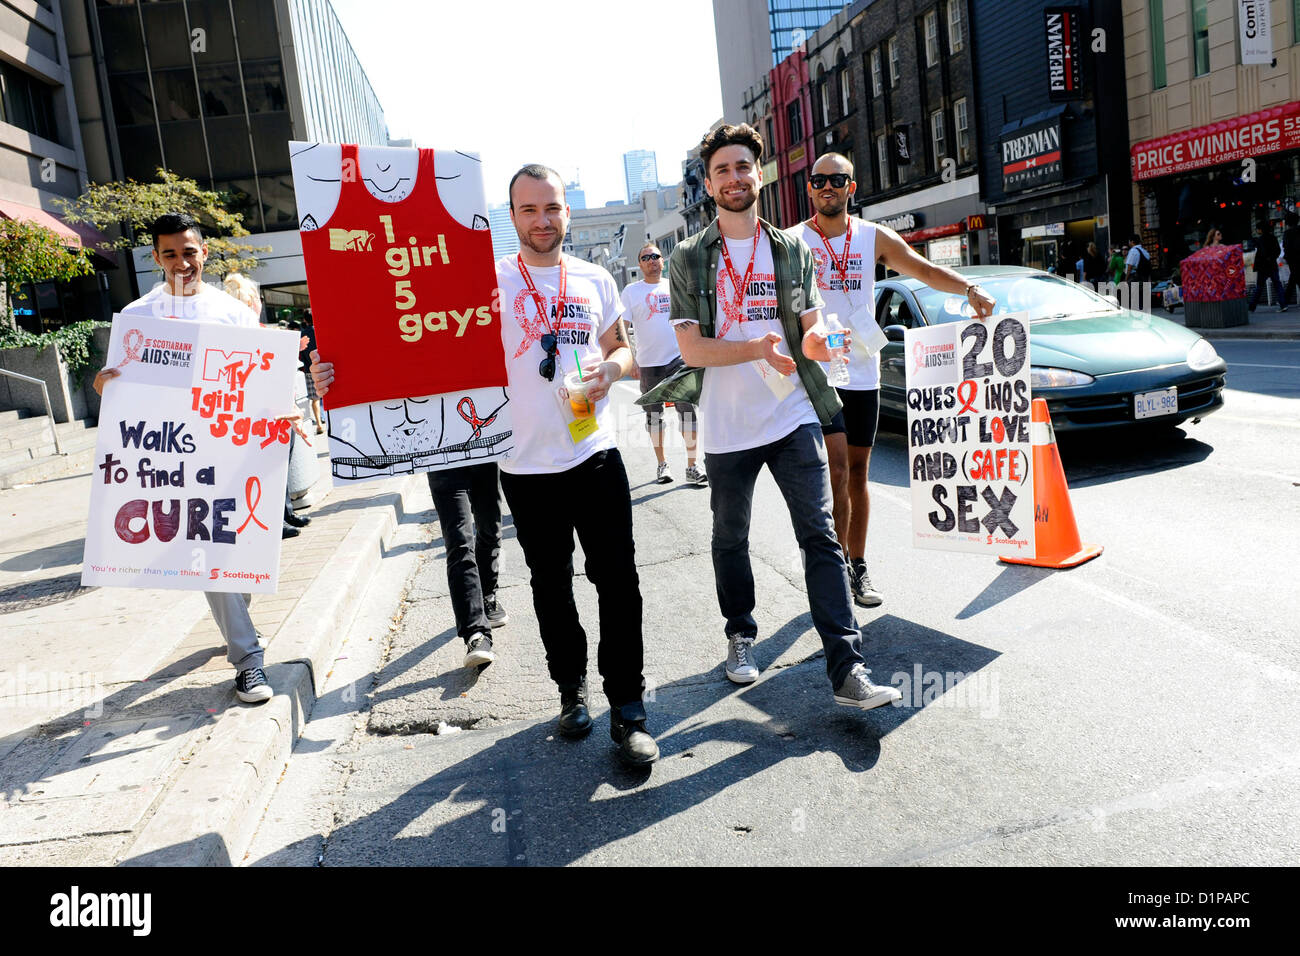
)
(798, 463)
(473, 547)
(591, 499)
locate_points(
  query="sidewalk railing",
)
(45, 397)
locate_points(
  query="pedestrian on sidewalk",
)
(180, 251)
(657, 356)
(1094, 266)
(846, 250)
(308, 331)
(1115, 268)
(1137, 264)
(1291, 253)
(1267, 252)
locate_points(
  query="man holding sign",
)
(846, 250)
(179, 250)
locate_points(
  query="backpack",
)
(1143, 271)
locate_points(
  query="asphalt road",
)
(1140, 709)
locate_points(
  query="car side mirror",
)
(895, 333)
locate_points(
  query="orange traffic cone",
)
(1056, 536)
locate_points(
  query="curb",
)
(212, 806)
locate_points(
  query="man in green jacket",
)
(743, 294)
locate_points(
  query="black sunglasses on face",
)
(552, 346)
(838, 180)
(651, 257)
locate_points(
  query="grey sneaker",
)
(864, 595)
(478, 650)
(696, 476)
(496, 614)
(741, 668)
(664, 474)
(858, 691)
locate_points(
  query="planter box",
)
(1215, 315)
(67, 402)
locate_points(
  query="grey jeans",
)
(230, 611)
(798, 463)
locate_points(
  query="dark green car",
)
(1098, 365)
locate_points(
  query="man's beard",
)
(742, 204)
(831, 209)
(524, 240)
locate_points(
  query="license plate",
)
(1153, 404)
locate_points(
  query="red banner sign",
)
(934, 232)
(1268, 131)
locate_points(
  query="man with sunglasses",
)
(647, 303)
(846, 250)
(561, 315)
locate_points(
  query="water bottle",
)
(838, 371)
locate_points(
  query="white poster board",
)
(187, 487)
(970, 459)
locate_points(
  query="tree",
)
(134, 207)
(31, 253)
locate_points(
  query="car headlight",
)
(1202, 356)
(1041, 376)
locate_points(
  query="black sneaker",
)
(478, 651)
(627, 729)
(864, 595)
(294, 519)
(251, 686)
(575, 721)
(496, 614)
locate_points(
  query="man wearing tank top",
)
(846, 250)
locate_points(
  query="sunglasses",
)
(552, 347)
(837, 180)
(651, 257)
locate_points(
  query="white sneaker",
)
(696, 476)
(664, 474)
(858, 691)
(741, 668)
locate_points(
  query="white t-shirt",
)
(647, 307)
(738, 409)
(543, 443)
(209, 304)
(864, 372)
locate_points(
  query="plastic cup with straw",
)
(579, 403)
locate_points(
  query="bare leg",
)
(859, 499)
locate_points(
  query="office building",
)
(640, 172)
(575, 196)
(505, 241)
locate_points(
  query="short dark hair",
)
(533, 171)
(742, 135)
(172, 223)
(1135, 238)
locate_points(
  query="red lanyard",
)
(740, 285)
(538, 299)
(842, 265)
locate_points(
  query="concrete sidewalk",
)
(1266, 322)
(121, 739)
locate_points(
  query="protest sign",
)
(399, 264)
(969, 453)
(188, 481)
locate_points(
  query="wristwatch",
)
(972, 287)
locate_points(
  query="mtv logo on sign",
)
(216, 363)
(357, 240)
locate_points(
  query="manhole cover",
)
(34, 594)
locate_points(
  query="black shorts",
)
(861, 415)
(836, 427)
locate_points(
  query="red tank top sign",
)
(402, 294)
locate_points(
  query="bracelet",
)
(970, 288)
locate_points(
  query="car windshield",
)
(1043, 296)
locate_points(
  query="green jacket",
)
(693, 281)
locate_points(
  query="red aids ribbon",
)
(251, 486)
(132, 350)
(478, 424)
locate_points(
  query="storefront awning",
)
(76, 235)
(1269, 131)
(933, 232)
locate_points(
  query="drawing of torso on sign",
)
(401, 275)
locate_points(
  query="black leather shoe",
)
(289, 531)
(292, 518)
(574, 720)
(627, 729)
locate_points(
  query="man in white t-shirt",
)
(560, 318)
(648, 305)
(846, 250)
(179, 250)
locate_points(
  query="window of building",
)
(826, 102)
(882, 159)
(937, 139)
(955, 41)
(1295, 20)
(27, 103)
(794, 122)
(877, 87)
(1200, 37)
(798, 182)
(1156, 21)
(932, 38)
(891, 46)
(846, 87)
(962, 125)
(770, 139)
